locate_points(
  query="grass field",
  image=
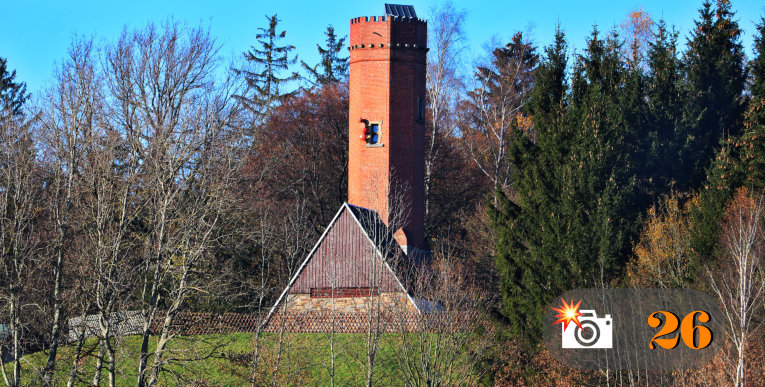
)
(226, 360)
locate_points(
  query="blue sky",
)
(35, 34)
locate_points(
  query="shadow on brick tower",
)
(386, 120)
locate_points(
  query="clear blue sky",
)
(35, 34)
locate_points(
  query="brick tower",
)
(386, 160)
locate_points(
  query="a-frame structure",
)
(355, 258)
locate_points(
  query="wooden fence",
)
(321, 321)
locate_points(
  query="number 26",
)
(687, 330)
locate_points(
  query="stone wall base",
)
(389, 301)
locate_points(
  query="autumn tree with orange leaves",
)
(638, 33)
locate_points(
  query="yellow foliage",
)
(524, 123)
(662, 252)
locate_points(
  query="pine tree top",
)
(332, 68)
(267, 61)
(12, 93)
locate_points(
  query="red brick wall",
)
(387, 75)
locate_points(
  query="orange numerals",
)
(694, 336)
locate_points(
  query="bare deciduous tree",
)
(264, 236)
(20, 193)
(502, 87)
(108, 215)
(638, 32)
(739, 282)
(383, 256)
(444, 83)
(87, 154)
(71, 117)
(449, 342)
(292, 244)
(175, 122)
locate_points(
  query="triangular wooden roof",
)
(377, 235)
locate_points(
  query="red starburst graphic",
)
(568, 313)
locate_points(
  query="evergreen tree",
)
(264, 76)
(12, 93)
(601, 176)
(758, 67)
(714, 67)
(724, 175)
(637, 124)
(665, 99)
(740, 162)
(529, 277)
(573, 214)
(332, 67)
(753, 140)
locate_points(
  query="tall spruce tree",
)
(758, 69)
(753, 140)
(529, 276)
(714, 68)
(665, 100)
(636, 127)
(739, 162)
(602, 171)
(12, 93)
(746, 153)
(332, 67)
(268, 62)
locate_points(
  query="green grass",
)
(225, 360)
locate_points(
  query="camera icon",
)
(596, 332)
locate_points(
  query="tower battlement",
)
(393, 32)
(375, 19)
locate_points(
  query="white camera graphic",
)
(596, 332)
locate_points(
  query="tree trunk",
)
(56, 327)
